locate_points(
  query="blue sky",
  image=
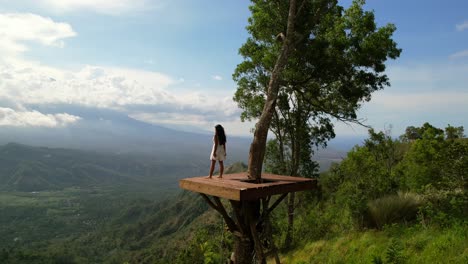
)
(170, 62)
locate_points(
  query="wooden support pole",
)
(229, 222)
(220, 208)
(208, 201)
(249, 220)
(251, 210)
(277, 202)
(236, 208)
(257, 243)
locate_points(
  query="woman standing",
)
(218, 153)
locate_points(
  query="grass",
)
(394, 208)
(396, 244)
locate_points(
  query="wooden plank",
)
(236, 186)
(219, 191)
(253, 194)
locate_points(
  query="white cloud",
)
(422, 102)
(460, 54)
(131, 91)
(109, 7)
(11, 117)
(170, 118)
(217, 77)
(17, 28)
(462, 26)
(143, 94)
(107, 87)
(426, 88)
(435, 93)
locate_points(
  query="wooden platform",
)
(237, 186)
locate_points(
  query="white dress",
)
(220, 152)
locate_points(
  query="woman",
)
(218, 153)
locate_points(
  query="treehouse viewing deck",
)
(239, 187)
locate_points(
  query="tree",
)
(257, 149)
(366, 173)
(329, 62)
(435, 159)
(454, 132)
(411, 133)
(291, 154)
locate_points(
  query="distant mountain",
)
(178, 153)
(28, 168)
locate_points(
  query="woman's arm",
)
(215, 145)
(225, 150)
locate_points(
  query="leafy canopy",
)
(337, 62)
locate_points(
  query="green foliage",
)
(280, 160)
(394, 253)
(110, 224)
(32, 169)
(413, 133)
(454, 132)
(444, 208)
(200, 250)
(432, 160)
(364, 178)
(391, 209)
(366, 182)
(377, 260)
(398, 244)
(116, 223)
(336, 63)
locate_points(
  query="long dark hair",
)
(221, 135)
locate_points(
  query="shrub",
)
(393, 209)
(444, 207)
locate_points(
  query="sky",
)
(170, 62)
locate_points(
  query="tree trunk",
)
(289, 232)
(245, 248)
(257, 148)
(243, 251)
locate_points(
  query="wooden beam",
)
(277, 202)
(220, 208)
(257, 243)
(208, 201)
(229, 222)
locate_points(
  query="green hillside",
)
(105, 225)
(388, 201)
(393, 245)
(27, 169)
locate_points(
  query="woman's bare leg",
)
(221, 169)
(212, 167)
